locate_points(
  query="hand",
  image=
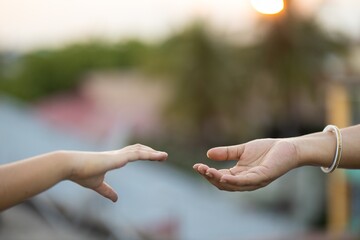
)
(89, 169)
(259, 163)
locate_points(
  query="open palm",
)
(259, 163)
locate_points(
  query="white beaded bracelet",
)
(338, 152)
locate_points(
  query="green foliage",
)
(294, 51)
(45, 72)
(213, 83)
(207, 82)
(291, 53)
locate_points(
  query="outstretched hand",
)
(90, 168)
(259, 163)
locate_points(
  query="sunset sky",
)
(28, 24)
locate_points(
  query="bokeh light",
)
(268, 6)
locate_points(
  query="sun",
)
(268, 6)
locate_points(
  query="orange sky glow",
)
(36, 23)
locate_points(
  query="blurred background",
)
(180, 76)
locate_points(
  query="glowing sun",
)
(268, 6)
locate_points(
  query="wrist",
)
(63, 163)
(317, 149)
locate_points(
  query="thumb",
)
(106, 191)
(226, 153)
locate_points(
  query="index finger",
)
(140, 154)
(121, 158)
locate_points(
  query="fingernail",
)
(209, 174)
(222, 180)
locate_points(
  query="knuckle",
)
(136, 146)
(136, 152)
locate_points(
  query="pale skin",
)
(262, 161)
(24, 179)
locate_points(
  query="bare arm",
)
(261, 161)
(24, 179)
(318, 149)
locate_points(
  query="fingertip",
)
(165, 154)
(107, 191)
(162, 153)
(208, 173)
(202, 168)
(113, 197)
(160, 156)
(217, 153)
(223, 179)
(216, 174)
(210, 152)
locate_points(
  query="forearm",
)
(318, 149)
(24, 179)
